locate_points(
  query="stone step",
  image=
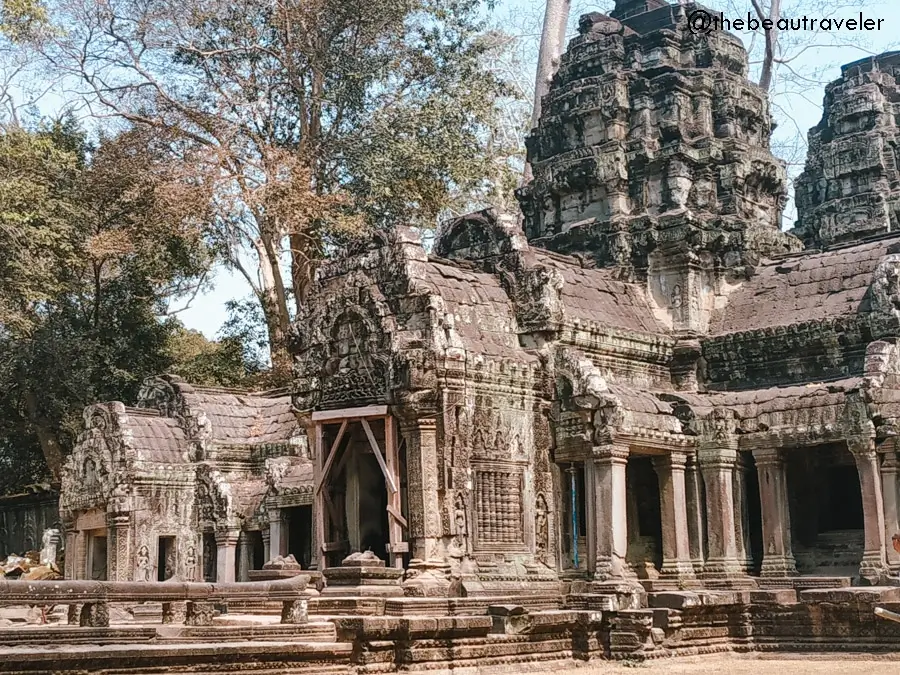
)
(320, 631)
(73, 635)
(804, 582)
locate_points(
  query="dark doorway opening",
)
(210, 554)
(165, 559)
(827, 525)
(97, 558)
(645, 516)
(574, 509)
(299, 529)
(754, 514)
(257, 550)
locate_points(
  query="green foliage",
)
(312, 121)
(212, 363)
(98, 240)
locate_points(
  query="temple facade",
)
(642, 382)
(191, 483)
(646, 381)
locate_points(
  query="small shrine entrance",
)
(358, 503)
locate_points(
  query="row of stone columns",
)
(727, 545)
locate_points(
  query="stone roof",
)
(248, 495)
(647, 410)
(483, 315)
(809, 287)
(238, 417)
(157, 439)
(594, 295)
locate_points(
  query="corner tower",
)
(653, 141)
(850, 188)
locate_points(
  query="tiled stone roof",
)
(484, 317)
(808, 287)
(157, 439)
(595, 295)
(242, 417)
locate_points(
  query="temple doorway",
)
(96, 555)
(358, 496)
(644, 516)
(210, 557)
(298, 521)
(827, 525)
(753, 516)
(165, 558)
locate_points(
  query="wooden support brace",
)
(395, 514)
(392, 486)
(331, 455)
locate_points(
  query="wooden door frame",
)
(389, 462)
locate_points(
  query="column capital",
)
(862, 447)
(611, 452)
(227, 537)
(717, 458)
(768, 456)
(676, 461)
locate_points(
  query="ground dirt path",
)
(750, 664)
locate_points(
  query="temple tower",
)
(653, 142)
(850, 188)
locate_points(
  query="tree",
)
(97, 242)
(553, 43)
(314, 120)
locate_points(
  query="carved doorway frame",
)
(389, 462)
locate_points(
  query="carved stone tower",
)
(653, 138)
(851, 186)
(652, 155)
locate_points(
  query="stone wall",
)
(23, 519)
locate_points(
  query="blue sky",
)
(800, 103)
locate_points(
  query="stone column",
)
(717, 467)
(673, 508)
(276, 535)
(70, 554)
(120, 566)
(267, 551)
(889, 498)
(226, 546)
(778, 558)
(244, 557)
(422, 487)
(610, 497)
(695, 508)
(874, 564)
(741, 514)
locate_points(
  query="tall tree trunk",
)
(768, 66)
(273, 299)
(553, 37)
(50, 446)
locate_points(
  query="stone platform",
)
(432, 634)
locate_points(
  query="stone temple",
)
(642, 393)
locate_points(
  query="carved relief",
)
(144, 570)
(542, 530)
(885, 289)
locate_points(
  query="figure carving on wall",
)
(89, 474)
(144, 566)
(458, 545)
(542, 530)
(190, 564)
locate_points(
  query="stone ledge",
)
(779, 596)
(858, 595)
